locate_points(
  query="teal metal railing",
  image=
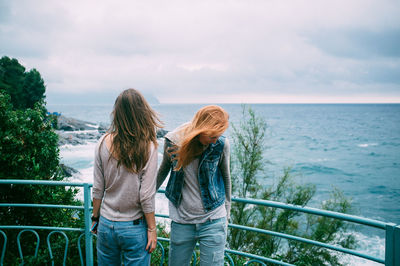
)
(53, 230)
(392, 231)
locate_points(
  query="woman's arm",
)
(226, 175)
(95, 213)
(151, 232)
(98, 183)
(165, 166)
(147, 189)
(147, 193)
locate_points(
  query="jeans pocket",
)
(104, 238)
(132, 235)
(133, 241)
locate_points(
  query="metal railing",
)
(85, 231)
(392, 231)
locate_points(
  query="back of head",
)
(133, 128)
(211, 120)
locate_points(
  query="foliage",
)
(157, 256)
(29, 150)
(247, 169)
(25, 88)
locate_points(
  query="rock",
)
(102, 128)
(161, 133)
(72, 124)
(69, 138)
(78, 132)
(67, 170)
(67, 128)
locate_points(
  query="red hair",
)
(211, 120)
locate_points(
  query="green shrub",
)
(247, 170)
(29, 150)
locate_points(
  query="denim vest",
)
(212, 188)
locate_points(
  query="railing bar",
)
(341, 216)
(40, 227)
(3, 250)
(305, 240)
(346, 217)
(162, 215)
(257, 257)
(88, 234)
(41, 206)
(43, 182)
(65, 249)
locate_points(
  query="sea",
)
(351, 147)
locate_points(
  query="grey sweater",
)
(125, 195)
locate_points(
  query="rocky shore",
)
(78, 132)
(73, 131)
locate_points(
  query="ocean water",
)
(352, 147)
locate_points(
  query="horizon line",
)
(211, 103)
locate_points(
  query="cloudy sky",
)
(219, 51)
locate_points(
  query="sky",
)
(224, 51)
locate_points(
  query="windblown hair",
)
(211, 120)
(133, 129)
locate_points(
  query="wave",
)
(307, 168)
(366, 145)
(370, 245)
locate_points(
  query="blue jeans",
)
(211, 236)
(122, 241)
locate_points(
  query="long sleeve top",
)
(125, 195)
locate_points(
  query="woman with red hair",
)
(196, 155)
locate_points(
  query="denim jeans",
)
(122, 241)
(211, 236)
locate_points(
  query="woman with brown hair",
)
(199, 187)
(124, 184)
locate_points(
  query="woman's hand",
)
(151, 232)
(94, 227)
(151, 240)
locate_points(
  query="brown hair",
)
(133, 129)
(211, 120)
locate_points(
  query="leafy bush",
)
(247, 169)
(29, 150)
(25, 88)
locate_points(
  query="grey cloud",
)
(358, 43)
(382, 74)
(5, 13)
(29, 29)
(20, 45)
(202, 49)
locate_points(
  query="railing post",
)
(392, 247)
(88, 234)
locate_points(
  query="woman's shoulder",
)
(103, 142)
(152, 146)
(225, 141)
